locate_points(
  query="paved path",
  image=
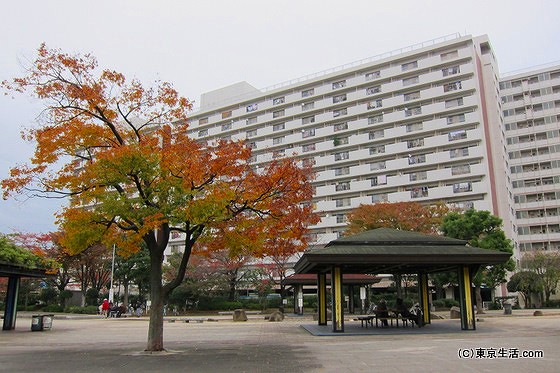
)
(116, 345)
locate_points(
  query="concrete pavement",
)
(94, 344)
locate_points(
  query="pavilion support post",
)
(423, 291)
(337, 299)
(10, 310)
(465, 301)
(322, 298)
(351, 305)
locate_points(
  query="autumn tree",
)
(546, 264)
(410, 216)
(481, 229)
(122, 153)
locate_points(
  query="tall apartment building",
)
(420, 124)
(531, 108)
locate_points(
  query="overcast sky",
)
(203, 45)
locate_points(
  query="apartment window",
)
(337, 113)
(415, 159)
(379, 180)
(342, 202)
(339, 98)
(339, 84)
(414, 127)
(307, 92)
(454, 102)
(410, 81)
(252, 145)
(203, 133)
(308, 162)
(449, 55)
(411, 96)
(455, 153)
(457, 135)
(416, 176)
(380, 149)
(373, 75)
(382, 197)
(509, 112)
(375, 119)
(376, 134)
(279, 153)
(409, 65)
(307, 120)
(449, 87)
(451, 71)
(308, 148)
(252, 107)
(340, 218)
(308, 133)
(459, 118)
(377, 166)
(375, 104)
(278, 100)
(342, 186)
(278, 113)
(278, 127)
(226, 126)
(413, 111)
(251, 120)
(460, 169)
(462, 187)
(373, 90)
(226, 114)
(340, 127)
(415, 143)
(251, 133)
(341, 156)
(341, 171)
(307, 106)
(278, 140)
(419, 192)
(203, 120)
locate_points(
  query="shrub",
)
(53, 308)
(88, 310)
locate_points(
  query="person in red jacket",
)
(105, 307)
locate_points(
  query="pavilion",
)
(392, 251)
(14, 273)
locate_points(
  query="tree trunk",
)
(478, 296)
(155, 328)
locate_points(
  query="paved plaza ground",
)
(94, 344)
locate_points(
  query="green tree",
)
(525, 283)
(546, 264)
(481, 229)
(133, 270)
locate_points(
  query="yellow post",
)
(424, 297)
(465, 292)
(337, 313)
(322, 298)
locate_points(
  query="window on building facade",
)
(379, 180)
(460, 169)
(413, 111)
(341, 171)
(342, 186)
(382, 197)
(307, 120)
(416, 176)
(410, 81)
(251, 120)
(373, 75)
(409, 66)
(203, 133)
(226, 126)
(459, 118)
(226, 114)
(279, 153)
(455, 153)
(339, 98)
(414, 127)
(375, 119)
(308, 162)
(449, 55)
(451, 70)
(415, 143)
(373, 90)
(454, 102)
(457, 135)
(340, 141)
(203, 120)
(278, 127)
(341, 156)
(337, 113)
(340, 127)
(252, 145)
(307, 106)
(377, 134)
(251, 133)
(278, 140)
(308, 148)
(462, 187)
(278, 100)
(375, 104)
(307, 92)
(449, 87)
(342, 202)
(411, 96)
(379, 149)
(252, 107)
(278, 113)
(419, 192)
(415, 159)
(339, 84)
(308, 133)
(374, 166)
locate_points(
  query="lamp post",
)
(112, 272)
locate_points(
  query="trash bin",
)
(41, 322)
(507, 309)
